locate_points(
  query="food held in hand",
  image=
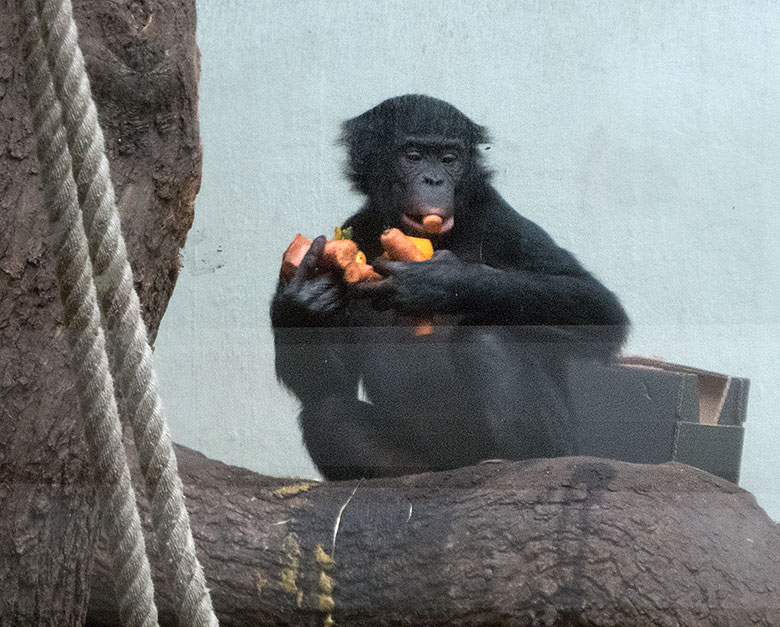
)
(356, 272)
(400, 247)
(339, 253)
(294, 254)
(343, 254)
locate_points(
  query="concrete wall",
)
(644, 136)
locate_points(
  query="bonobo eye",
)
(413, 155)
(449, 158)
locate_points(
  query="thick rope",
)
(131, 356)
(95, 386)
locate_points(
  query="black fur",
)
(511, 311)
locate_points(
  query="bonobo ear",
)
(364, 139)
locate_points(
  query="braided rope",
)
(102, 428)
(131, 356)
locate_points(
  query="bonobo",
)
(510, 311)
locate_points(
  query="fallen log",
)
(570, 541)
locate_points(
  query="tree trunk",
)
(144, 64)
(571, 541)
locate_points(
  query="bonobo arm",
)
(310, 324)
(448, 285)
(522, 278)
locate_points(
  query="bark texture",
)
(571, 541)
(143, 64)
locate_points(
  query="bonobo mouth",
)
(427, 224)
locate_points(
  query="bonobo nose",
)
(434, 180)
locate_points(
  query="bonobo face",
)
(429, 169)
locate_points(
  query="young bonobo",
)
(510, 309)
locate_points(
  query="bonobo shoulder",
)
(516, 241)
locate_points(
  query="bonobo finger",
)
(307, 269)
(327, 301)
(372, 288)
(320, 295)
(385, 266)
(444, 255)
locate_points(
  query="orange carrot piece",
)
(294, 254)
(423, 327)
(423, 244)
(356, 272)
(398, 247)
(432, 223)
(340, 253)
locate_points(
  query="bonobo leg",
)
(350, 439)
(516, 394)
(542, 424)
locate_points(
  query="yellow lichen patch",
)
(261, 581)
(325, 601)
(292, 563)
(323, 559)
(287, 491)
(326, 583)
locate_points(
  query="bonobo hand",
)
(309, 298)
(435, 286)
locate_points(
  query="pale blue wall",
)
(644, 136)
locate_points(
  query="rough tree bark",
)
(573, 541)
(144, 65)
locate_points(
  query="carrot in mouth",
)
(432, 224)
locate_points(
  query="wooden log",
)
(570, 541)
